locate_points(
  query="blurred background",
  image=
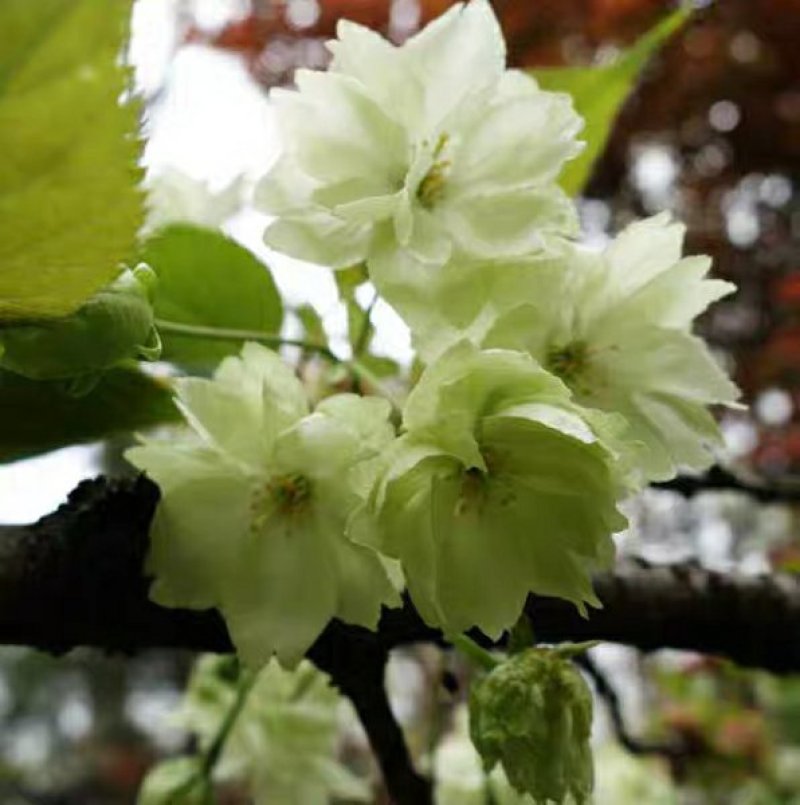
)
(712, 134)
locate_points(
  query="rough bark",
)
(75, 579)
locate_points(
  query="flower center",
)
(568, 362)
(473, 490)
(289, 494)
(431, 188)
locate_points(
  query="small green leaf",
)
(205, 278)
(113, 325)
(37, 416)
(380, 366)
(311, 321)
(348, 279)
(70, 204)
(177, 781)
(600, 92)
(360, 331)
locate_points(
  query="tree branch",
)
(719, 479)
(75, 579)
(357, 662)
(607, 692)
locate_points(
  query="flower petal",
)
(250, 400)
(460, 53)
(319, 238)
(335, 131)
(518, 142)
(378, 65)
(201, 520)
(286, 594)
(508, 224)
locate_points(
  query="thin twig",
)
(229, 334)
(477, 654)
(212, 755)
(608, 693)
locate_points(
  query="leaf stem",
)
(212, 754)
(479, 655)
(363, 337)
(272, 340)
(229, 334)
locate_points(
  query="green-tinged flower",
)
(465, 299)
(179, 781)
(113, 325)
(283, 744)
(623, 779)
(616, 328)
(426, 150)
(499, 487)
(176, 197)
(533, 715)
(459, 777)
(255, 495)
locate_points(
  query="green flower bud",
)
(114, 324)
(175, 782)
(533, 715)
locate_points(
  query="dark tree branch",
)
(357, 662)
(75, 579)
(721, 480)
(607, 692)
(753, 621)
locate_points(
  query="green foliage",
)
(204, 278)
(178, 781)
(114, 324)
(70, 205)
(282, 742)
(600, 92)
(311, 322)
(36, 416)
(533, 715)
(380, 365)
(359, 328)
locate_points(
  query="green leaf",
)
(600, 92)
(360, 331)
(311, 321)
(37, 416)
(177, 780)
(349, 279)
(113, 325)
(207, 279)
(380, 366)
(70, 202)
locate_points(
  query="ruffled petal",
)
(200, 525)
(459, 54)
(508, 224)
